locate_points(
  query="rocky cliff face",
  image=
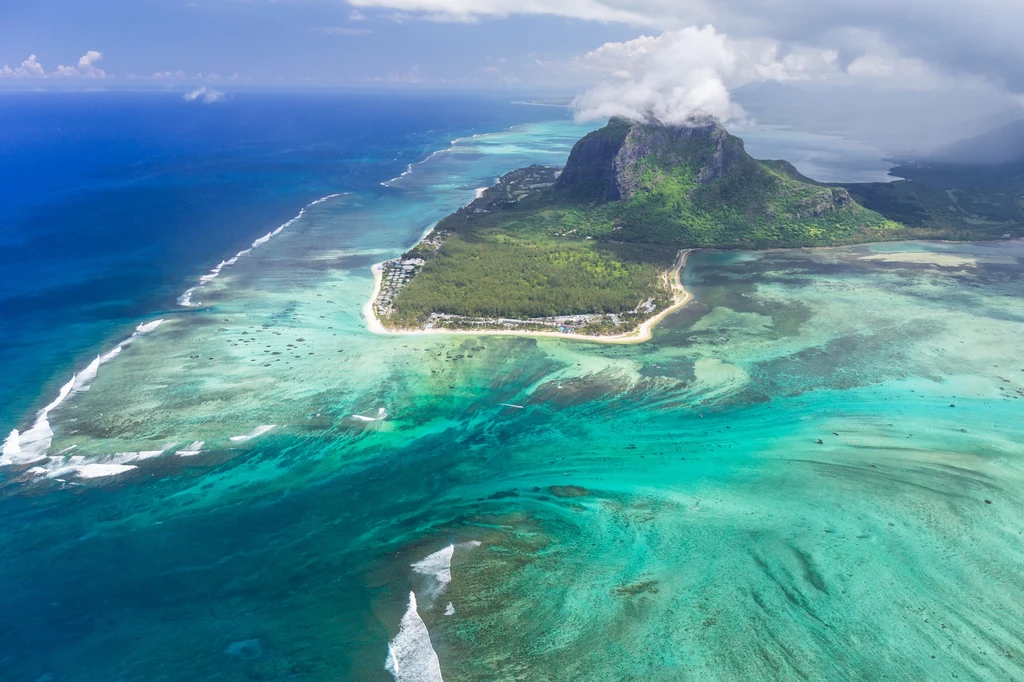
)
(610, 164)
(703, 144)
(615, 163)
(589, 173)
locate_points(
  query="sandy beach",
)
(638, 335)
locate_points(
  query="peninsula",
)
(594, 250)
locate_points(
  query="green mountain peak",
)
(695, 185)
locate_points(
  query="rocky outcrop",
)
(703, 144)
(589, 173)
(823, 202)
(611, 164)
(626, 158)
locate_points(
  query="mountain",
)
(1001, 145)
(695, 185)
(598, 237)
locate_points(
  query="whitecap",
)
(450, 609)
(146, 328)
(12, 444)
(409, 167)
(122, 457)
(93, 467)
(323, 199)
(192, 450)
(381, 416)
(437, 565)
(91, 470)
(258, 431)
(185, 299)
(411, 656)
(33, 444)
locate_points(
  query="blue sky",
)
(534, 43)
(295, 43)
(664, 59)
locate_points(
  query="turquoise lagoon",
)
(813, 471)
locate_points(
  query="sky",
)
(664, 59)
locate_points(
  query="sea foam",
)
(439, 566)
(192, 450)
(258, 431)
(411, 656)
(185, 300)
(33, 444)
(381, 416)
(91, 470)
(409, 167)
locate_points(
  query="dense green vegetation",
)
(754, 207)
(595, 239)
(951, 201)
(497, 274)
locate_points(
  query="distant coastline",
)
(643, 332)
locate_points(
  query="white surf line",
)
(33, 444)
(192, 450)
(92, 470)
(451, 146)
(439, 566)
(518, 407)
(185, 299)
(255, 433)
(411, 656)
(59, 467)
(381, 416)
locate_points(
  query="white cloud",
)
(978, 39)
(345, 31)
(471, 10)
(685, 73)
(30, 68)
(204, 94)
(169, 75)
(86, 67)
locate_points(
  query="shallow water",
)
(656, 511)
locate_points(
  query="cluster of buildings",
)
(562, 323)
(395, 274)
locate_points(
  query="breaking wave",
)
(437, 565)
(255, 433)
(409, 167)
(382, 414)
(411, 656)
(33, 444)
(185, 299)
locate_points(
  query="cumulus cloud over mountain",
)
(977, 39)
(688, 72)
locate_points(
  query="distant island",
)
(593, 250)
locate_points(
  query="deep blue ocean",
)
(114, 202)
